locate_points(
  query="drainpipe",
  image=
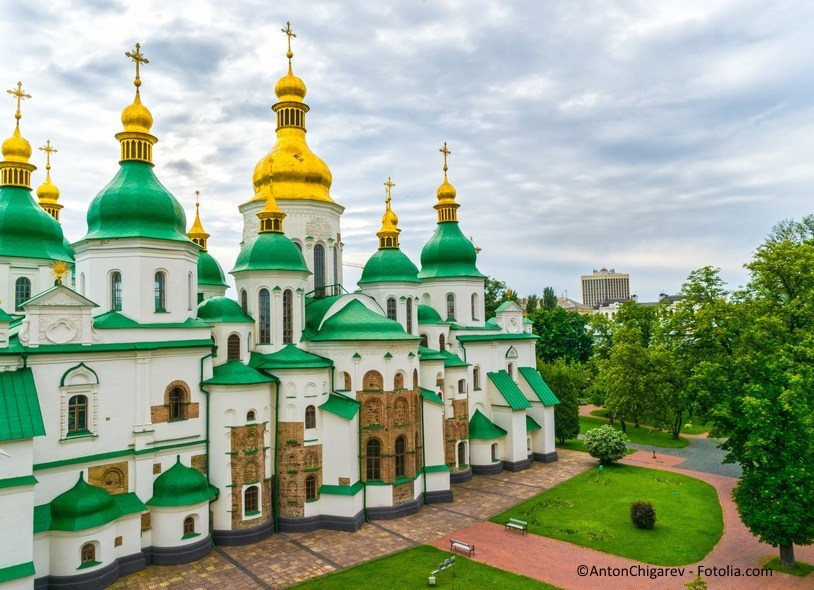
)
(276, 480)
(208, 400)
(423, 447)
(364, 484)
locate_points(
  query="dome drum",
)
(136, 145)
(16, 173)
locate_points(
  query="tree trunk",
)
(677, 426)
(787, 555)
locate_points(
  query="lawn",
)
(695, 427)
(641, 436)
(593, 510)
(410, 569)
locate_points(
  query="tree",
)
(532, 303)
(562, 334)
(495, 293)
(567, 380)
(606, 444)
(549, 298)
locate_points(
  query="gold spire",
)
(48, 193)
(197, 233)
(15, 169)
(446, 206)
(136, 141)
(271, 217)
(389, 233)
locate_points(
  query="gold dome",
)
(47, 192)
(16, 148)
(446, 192)
(389, 233)
(290, 88)
(446, 206)
(136, 117)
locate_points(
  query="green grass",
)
(800, 569)
(694, 427)
(641, 436)
(410, 569)
(593, 510)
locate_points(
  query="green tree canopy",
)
(567, 380)
(562, 334)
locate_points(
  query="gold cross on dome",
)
(138, 57)
(389, 184)
(446, 153)
(289, 33)
(197, 200)
(48, 149)
(20, 95)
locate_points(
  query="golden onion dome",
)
(16, 148)
(136, 117)
(290, 88)
(48, 192)
(446, 192)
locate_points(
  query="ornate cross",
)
(197, 201)
(138, 57)
(21, 95)
(446, 153)
(389, 184)
(48, 149)
(289, 33)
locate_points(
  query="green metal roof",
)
(453, 360)
(20, 415)
(449, 253)
(428, 354)
(315, 310)
(341, 405)
(430, 396)
(509, 390)
(481, 428)
(4, 317)
(216, 310)
(15, 572)
(114, 320)
(389, 265)
(27, 231)
(531, 424)
(15, 348)
(85, 506)
(428, 315)
(270, 251)
(181, 486)
(356, 322)
(236, 373)
(539, 386)
(489, 337)
(136, 205)
(335, 490)
(80, 300)
(289, 357)
(505, 305)
(209, 271)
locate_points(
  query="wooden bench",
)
(520, 525)
(461, 546)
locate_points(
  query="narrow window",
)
(244, 301)
(77, 413)
(233, 348)
(311, 487)
(450, 306)
(461, 454)
(288, 316)
(346, 381)
(251, 502)
(251, 416)
(494, 453)
(398, 381)
(409, 315)
(264, 313)
(442, 343)
(476, 377)
(176, 403)
(189, 526)
(88, 553)
(510, 370)
(116, 291)
(319, 270)
(160, 291)
(424, 341)
(310, 417)
(336, 261)
(415, 378)
(190, 292)
(391, 308)
(474, 306)
(22, 292)
(401, 456)
(461, 386)
(374, 459)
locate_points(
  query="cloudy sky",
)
(651, 137)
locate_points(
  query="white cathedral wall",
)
(42, 554)
(340, 455)
(35, 270)
(514, 423)
(372, 355)
(429, 373)
(433, 292)
(381, 292)
(66, 547)
(17, 508)
(222, 331)
(209, 291)
(167, 523)
(433, 438)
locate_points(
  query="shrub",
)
(606, 444)
(642, 514)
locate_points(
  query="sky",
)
(650, 137)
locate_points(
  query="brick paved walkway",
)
(556, 561)
(287, 559)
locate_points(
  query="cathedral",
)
(145, 415)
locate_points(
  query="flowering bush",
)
(606, 444)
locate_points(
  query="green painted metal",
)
(356, 322)
(341, 406)
(490, 337)
(112, 455)
(539, 386)
(216, 310)
(181, 486)
(481, 428)
(428, 354)
(236, 373)
(334, 490)
(289, 357)
(428, 315)
(531, 424)
(114, 320)
(389, 265)
(509, 390)
(449, 254)
(22, 480)
(85, 506)
(15, 572)
(270, 251)
(430, 396)
(452, 360)
(20, 415)
(209, 271)
(27, 231)
(15, 348)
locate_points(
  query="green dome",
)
(181, 486)
(389, 265)
(428, 315)
(27, 231)
(356, 322)
(222, 309)
(136, 205)
(449, 254)
(209, 271)
(270, 251)
(82, 507)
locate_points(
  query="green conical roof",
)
(449, 253)
(356, 322)
(136, 205)
(82, 507)
(209, 271)
(428, 315)
(181, 486)
(27, 231)
(270, 251)
(389, 265)
(222, 309)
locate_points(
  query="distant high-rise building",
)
(605, 285)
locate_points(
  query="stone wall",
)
(248, 467)
(455, 429)
(295, 463)
(111, 476)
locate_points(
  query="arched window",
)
(190, 291)
(474, 306)
(400, 410)
(160, 291)
(251, 500)
(288, 316)
(494, 453)
(409, 315)
(461, 453)
(344, 379)
(310, 460)
(401, 456)
(510, 370)
(311, 487)
(336, 261)
(251, 416)
(371, 412)
(77, 413)
(176, 403)
(373, 381)
(189, 526)
(244, 301)
(476, 377)
(442, 343)
(398, 381)
(450, 306)
(415, 378)
(319, 270)
(88, 553)
(116, 290)
(391, 308)
(424, 341)
(374, 459)
(310, 417)
(233, 348)
(264, 315)
(22, 292)
(461, 386)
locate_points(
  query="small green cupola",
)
(181, 486)
(209, 271)
(216, 310)
(82, 507)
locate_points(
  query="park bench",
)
(520, 525)
(461, 546)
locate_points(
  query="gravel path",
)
(701, 454)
